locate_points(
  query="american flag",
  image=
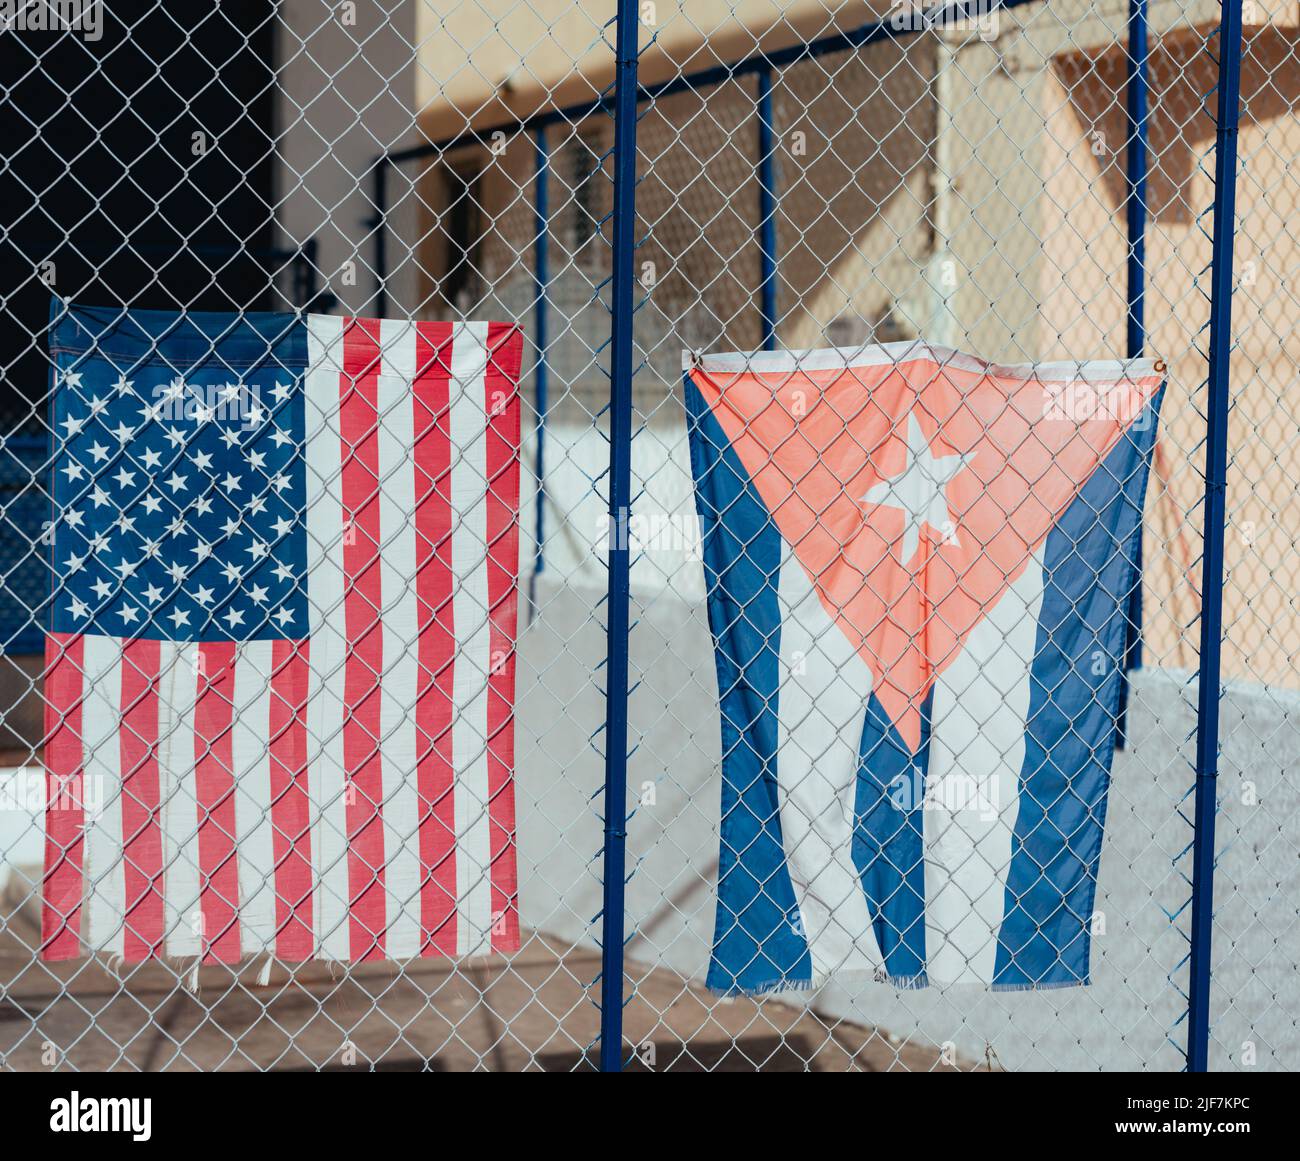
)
(280, 665)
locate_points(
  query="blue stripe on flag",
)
(889, 840)
(758, 943)
(1088, 574)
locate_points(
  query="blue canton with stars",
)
(178, 476)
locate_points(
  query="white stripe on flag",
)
(328, 645)
(101, 717)
(251, 759)
(977, 749)
(468, 426)
(821, 708)
(400, 679)
(177, 684)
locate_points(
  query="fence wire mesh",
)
(809, 176)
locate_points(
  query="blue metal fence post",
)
(620, 498)
(541, 385)
(1135, 174)
(1216, 468)
(766, 210)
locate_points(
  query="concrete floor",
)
(536, 1011)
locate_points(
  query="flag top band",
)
(889, 354)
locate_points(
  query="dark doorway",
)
(135, 170)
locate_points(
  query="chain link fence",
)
(1031, 184)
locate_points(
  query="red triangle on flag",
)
(915, 484)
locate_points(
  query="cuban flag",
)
(280, 660)
(919, 567)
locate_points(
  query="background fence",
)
(1024, 181)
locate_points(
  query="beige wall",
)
(492, 60)
(1082, 286)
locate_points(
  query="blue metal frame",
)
(620, 501)
(1216, 470)
(541, 373)
(766, 210)
(858, 38)
(1135, 174)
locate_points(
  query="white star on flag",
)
(920, 490)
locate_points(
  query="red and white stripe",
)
(348, 795)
